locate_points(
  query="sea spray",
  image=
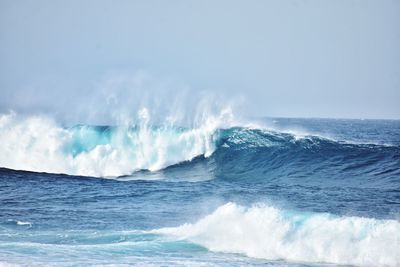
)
(38, 144)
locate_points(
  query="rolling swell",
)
(262, 154)
(255, 155)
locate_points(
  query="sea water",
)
(293, 192)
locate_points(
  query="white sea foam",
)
(24, 223)
(37, 143)
(267, 232)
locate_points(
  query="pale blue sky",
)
(338, 58)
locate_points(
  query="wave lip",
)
(266, 232)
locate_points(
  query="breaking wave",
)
(266, 232)
(39, 144)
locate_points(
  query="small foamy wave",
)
(24, 223)
(266, 232)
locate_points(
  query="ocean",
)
(284, 192)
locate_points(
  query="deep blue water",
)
(299, 192)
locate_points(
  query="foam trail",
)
(39, 144)
(266, 232)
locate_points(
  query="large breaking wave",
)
(39, 144)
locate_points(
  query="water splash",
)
(37, 143)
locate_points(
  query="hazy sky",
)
(338, 58)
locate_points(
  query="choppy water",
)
(299, 192)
